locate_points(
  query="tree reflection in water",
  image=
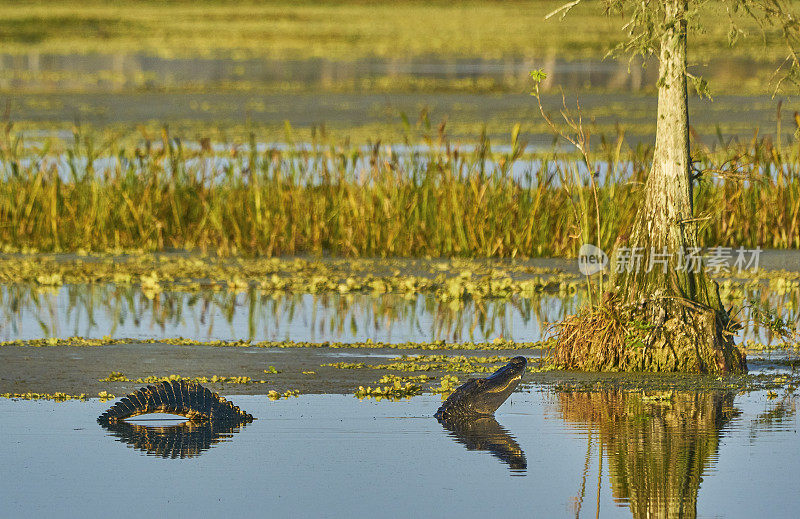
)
(657, 447)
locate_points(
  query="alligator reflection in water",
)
(483, 433)
(187, 440)
(658, 449)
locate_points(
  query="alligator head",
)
(483, 396)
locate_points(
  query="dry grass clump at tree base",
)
(611, 336)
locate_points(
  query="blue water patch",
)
(333, 455)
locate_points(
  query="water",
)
(123, 90)
(547, 455)
(118, 311)
(122, 311)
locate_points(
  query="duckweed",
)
(180, 341)
(274, 395)
(458, 363)
(496, 345)
(395, 391)
(663, 396)
(117, 376)
(158, 272)
(57, 397)
(403, 387)
(446, 385)
(391, 379)
(755, 346)
(105, 396)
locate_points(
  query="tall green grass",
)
(439, 199)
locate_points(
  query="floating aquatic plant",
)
(117, 376)
(274, 395)
(105, 396)
(395, 391)
(58, 397)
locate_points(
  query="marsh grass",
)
(344, 29)
(427, 197)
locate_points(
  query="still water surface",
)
(123, 311)
(129, 89)
(546, 455)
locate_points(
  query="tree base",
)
(614, 337)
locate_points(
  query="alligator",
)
(467, 413)
(482, 396)
(187, 399)
(476, 397)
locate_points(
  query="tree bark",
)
(674, 290)
(663, 223)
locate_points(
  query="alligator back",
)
(188, 399)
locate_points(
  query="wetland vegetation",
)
(342, 29)
(439, 199)
(229, 199)
(321, 206)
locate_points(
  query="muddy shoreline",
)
(75, 370)
(80, 369)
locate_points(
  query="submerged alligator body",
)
(188, 399)
(482, 396)
(476, 397)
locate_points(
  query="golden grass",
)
(436, 200)
(340, 29)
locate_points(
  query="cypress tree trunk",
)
(661, 223)
(663, 315)
(674, 289)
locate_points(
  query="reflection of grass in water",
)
(457, 300)
(108, 308)
(44, 85)
(341, 29)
